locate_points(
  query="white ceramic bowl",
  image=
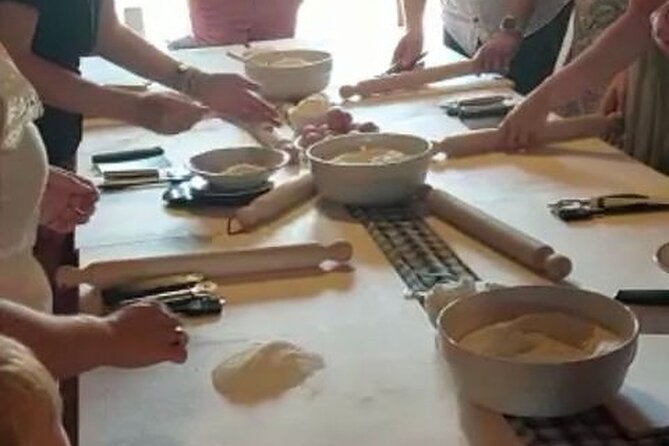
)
(210, 165)
(536, 389)
(289, 83)
(369, 184)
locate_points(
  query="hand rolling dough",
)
(264, 371)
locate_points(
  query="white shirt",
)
(473, 21)
(23, 171)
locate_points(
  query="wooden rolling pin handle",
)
(556, 267)
(340, 251)
(69, 276)
(347, 91)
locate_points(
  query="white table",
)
(384, 382)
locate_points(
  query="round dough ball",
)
(264, 371)
(339, 120)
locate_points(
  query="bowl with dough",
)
(289, 75)
(538, 351)
(237, 167)
(369, 168)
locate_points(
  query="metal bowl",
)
(210, 165)
(535, 389)
(369, 184)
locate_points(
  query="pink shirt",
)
(225, 22)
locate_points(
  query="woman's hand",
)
(497, 53)
(232, 97)
(613, 101)
(408, 50)
(143, 334)
(167, 113)
(523, 126)
(68, 200)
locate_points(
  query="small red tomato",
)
(339, 120)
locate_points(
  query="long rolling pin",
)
(489, 140)
(273, 203)
(408, 79)
(505, 239)
(210, 264)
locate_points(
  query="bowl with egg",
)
(538, 351)
(369, 168)
(237, 167)
(289, 75)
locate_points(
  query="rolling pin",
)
(489, 140)
(210, 264)
(505, 239)
(273, 203)
(408, 80)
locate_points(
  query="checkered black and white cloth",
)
(423, 259)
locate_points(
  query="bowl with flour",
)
(369, 168)
(538, 351)
(237, 168)
(289, 75)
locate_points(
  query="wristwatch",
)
(184, 75)
(511, 24)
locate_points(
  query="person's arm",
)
(496, 53)
(57, 86)
(68, 91)
(121, 45)
(617, 48)
(68, 345)
(411, 44)
(228, 94)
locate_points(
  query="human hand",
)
(408, 50)
(660, 22)
(168, 113)
(68, 200)
(523, 126)
(497, 53)
(233, 97)
(143, 334)
(613, 101)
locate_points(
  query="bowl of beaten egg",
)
(369, 169)
(289, 75)
(237, 167)
(538, 351)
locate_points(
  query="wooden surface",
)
(384, 383)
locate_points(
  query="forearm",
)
(614, 51)
(122, 46)
(66, 345)
(413, 14)
(68, 91)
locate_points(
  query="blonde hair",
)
(28, 393)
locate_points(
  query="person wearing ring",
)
(519, 38)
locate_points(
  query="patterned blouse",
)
(591, 17)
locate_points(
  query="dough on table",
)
(264, 371)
